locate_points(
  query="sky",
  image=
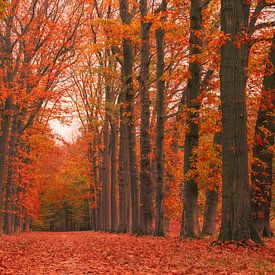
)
(66, 131)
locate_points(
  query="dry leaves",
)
(101, 253)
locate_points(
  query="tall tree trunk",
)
(10, 179)
(123, 179)
(236, 216)
(262, 168)
(96, 176)
(159, 226)
(113, 144)
(145, 148)
(106, 163)
(131, 131)
(5, 127)
(190, 195)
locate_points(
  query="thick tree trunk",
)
(129, 100)
(145, 148)
(159, 226)
(262, 168)
(237, 222)
(190, 194)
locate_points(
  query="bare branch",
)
(264, 25)
(205, 4)
(260, 6)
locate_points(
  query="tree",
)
(190, 224)
(261, 174)
(129, 111)
(31, 65)
(160, 32)
(237, 222)
(145, 147)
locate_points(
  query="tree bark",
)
(212, 196)
(190, 195)
(262, 167)
(129, 101)
(237, 222)
(10, 178)
(145, 147)
(5, 128)
(113, 144)
(159, 226)
(123, 179)
(210, 213)
(106, 164)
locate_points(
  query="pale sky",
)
(67, 132)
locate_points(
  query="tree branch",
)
(264, 25)
(205, 4)
(260, 6)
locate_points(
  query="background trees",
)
(143, 80)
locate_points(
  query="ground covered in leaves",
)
(102, 253)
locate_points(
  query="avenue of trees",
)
(174, 100)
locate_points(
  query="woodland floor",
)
(102, 253)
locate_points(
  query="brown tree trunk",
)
(129, 100)
(210, 212)
(122, 173)
(145, 148)
(106, 164)
(113, 144)
(159, 225)
(190, 195)
(262, 168)
(212, 196)
(237, 222)
(10, 179)
(5, 127)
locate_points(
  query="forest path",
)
(101, 253)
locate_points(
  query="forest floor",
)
(102, 253)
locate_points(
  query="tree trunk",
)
(190, 194)
(106, 164)
(145, 148)
(5, 127)
(113, 144)
(262, 167)
(212, 196)
(237, 222)
(210, 213)
(123, 183)
(159, 226)
(129, 100)
(10, 179)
